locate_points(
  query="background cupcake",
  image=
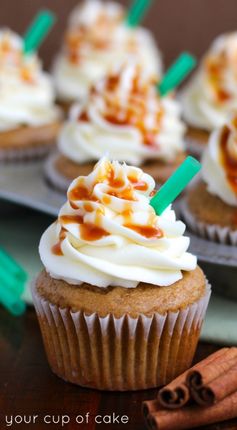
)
(119, 283)
(29, 119)
(211, 205)
(97, 38)
(211, 96)
(124, 116)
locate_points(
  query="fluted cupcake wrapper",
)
(213, 232)
(54, 177)
(22, 154)
(124, 353)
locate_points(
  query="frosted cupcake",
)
(211, 206)
(211, 96)
(124, 116)
(29, 119)
(121, 301)
(97, 38)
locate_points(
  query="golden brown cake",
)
(24, 141)
(210, 209)
(145, 298)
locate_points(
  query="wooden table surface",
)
(28, 387)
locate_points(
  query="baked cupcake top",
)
(212, 93)
(26, 92)
(96, 39)
(125, 116)
(220, 163)
(108, 234)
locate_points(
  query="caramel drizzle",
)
(91, 37)
(7, 49)
(216, 67)
(147, 231)
(93, 232)
(227, 161)
(135, 110)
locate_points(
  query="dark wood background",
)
(28, 387)
(177, 24)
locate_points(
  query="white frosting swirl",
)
(126, 118)
(214, 172)
(211, 96)
(108, 234)
(96, 40)
(26, 92)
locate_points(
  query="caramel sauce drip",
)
(134, 112)
(88, 207)
(71, 219)
(93, 231)
(5, 46)
(113, 181)
(147, 231)
(84, 117)
(216, 67)
(90, 232)
(80, 192)
(125, 194)
(138, 185)
(27, 75)
(227, 161)
(57, 248)
(93, 37)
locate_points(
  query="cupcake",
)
(97, 38)
(211, 96)
(211, 205)
(29, 119)
(120, 302)
(125, 117)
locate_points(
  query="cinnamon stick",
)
(150, 406)
(216, 380)
(176, 394)
(193, 416)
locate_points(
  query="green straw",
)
(9, 281)
(175, 184)
(38, 30)
(12, 280)
(11, 266)
(13, 304)
(177, 73)
(137, 12)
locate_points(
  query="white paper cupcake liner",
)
(211, 232)
(124, 353)
(54, 178)
(22, 154)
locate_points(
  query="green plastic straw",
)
(175, 184)
(9, 281)
(177, 73)
(137, 12)
(38, 30)
(9, 265)
(12, 303)
(12, 281)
